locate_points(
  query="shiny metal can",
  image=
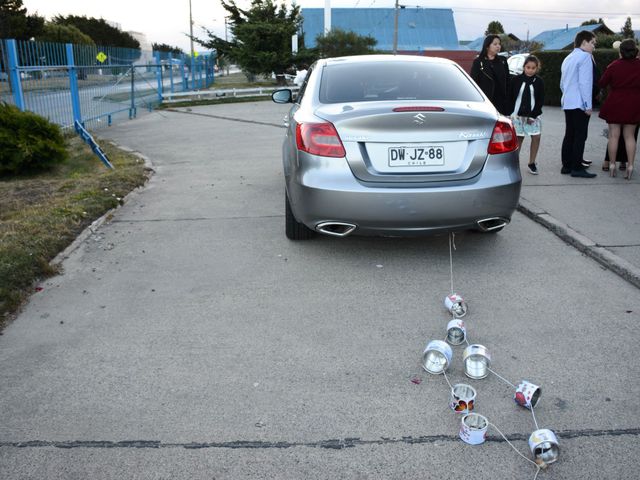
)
(544, 447)
(436, 357)
(473, 429)
(477, 361)
(463, 397)
(527, 394)
(456, 332)
(456, 305)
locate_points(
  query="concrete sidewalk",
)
(600, 216)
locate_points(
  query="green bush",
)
(552, 61)
(29, 143)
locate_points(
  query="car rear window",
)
(365, 82)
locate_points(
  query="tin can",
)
(463, 397)
(456, 332)
(436, 357)
(456, 305)
(473, 429)
(527, 394)
(477, 361)
(544, 447)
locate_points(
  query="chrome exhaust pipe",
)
(337, 229)
(492, 223)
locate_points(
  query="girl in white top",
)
(527, 97)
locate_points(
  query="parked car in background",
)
(516, 63)
(395, 145)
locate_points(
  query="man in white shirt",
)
(576, 84)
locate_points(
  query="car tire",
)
(294, 229)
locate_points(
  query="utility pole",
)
(395, 30)
(327, 16)
(226, 40)
(190, 28)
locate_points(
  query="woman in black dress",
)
(491, 72)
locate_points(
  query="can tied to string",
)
(463, 398)
(473, 429)
(456, 305)
(544, 447)
(527, 394)
(456, 332)
(437, 357)
(477, 361)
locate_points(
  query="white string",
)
(503, 379)
(516, 450)
(534, 418)
(445, 377)
(537, 472)
(451, 234)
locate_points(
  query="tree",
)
(163, 47)
(606, 41)
(495, 28)
(261, 36)
(530, 46)
(338, 43)
(63, 34)
(15, 23)
(627, 29)
(592, 21)
(99, 30)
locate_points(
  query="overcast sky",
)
(167, 22)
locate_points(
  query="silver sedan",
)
(395, 145)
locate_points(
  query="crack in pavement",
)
(231, 119)
(334, 444)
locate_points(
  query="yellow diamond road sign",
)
(101, 57)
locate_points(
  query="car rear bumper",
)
(332, 194)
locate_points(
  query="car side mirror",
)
(284, 95)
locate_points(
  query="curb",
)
(608, 259)
(91, 229)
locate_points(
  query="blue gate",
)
(94, 85)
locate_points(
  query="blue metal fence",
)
(94, 85)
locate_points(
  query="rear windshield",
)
(393, 80)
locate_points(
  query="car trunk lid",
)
(404, 142)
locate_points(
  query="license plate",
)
(416, 156)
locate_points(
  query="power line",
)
(545, 13)
(529, 12)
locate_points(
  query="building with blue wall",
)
(419, 29)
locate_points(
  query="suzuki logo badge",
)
(419, 118)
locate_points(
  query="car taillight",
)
(503, 138)
(319, 139)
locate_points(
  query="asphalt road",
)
(188, 338)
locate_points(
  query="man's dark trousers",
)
(575, 136)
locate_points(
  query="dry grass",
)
(41, 215)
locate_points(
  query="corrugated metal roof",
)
(562, 37)
(476, 44)
(418, 28)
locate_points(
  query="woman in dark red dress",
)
(621, 109)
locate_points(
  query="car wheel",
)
(294, 229)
